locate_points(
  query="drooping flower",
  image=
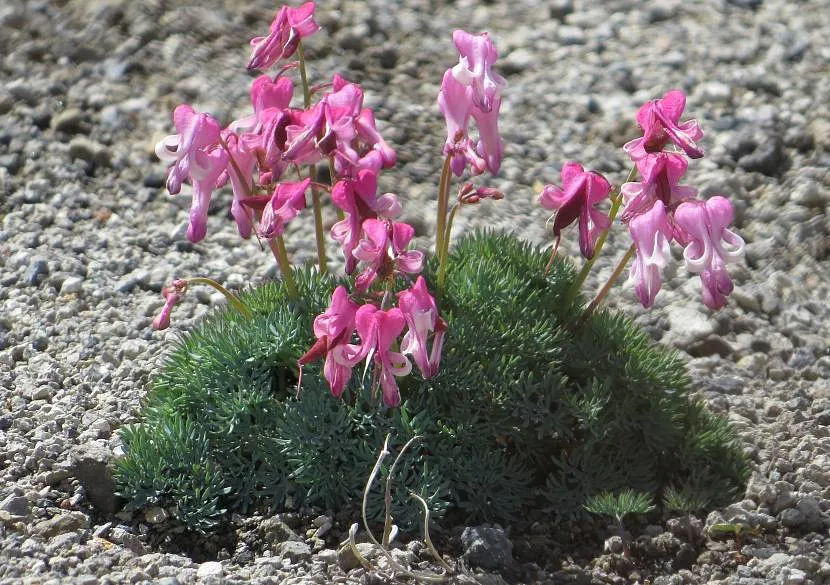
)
(378, 330)
(660, 122)
(357, 198)
(172, 295)
(422, 318)
(203, 187)
(478, 54)
(472, 89)
(382, 238)
(651, 233)
(195, 156)
(288, 27)
(266, 94)
(660, 173)
(186, 150)
(575, 200)
(286, 202)
(242, 155)
(711, 246)
(333, 330)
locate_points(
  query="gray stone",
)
(89, 150)
(71, 121)
(60, 524)
(274, 530)
(210, 570)
(16, 506)
(487, 547)
(92, 464)
(294, 551)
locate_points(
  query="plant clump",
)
(533, 408)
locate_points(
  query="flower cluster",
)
(377, 322)
(254, 155)
(657, 209)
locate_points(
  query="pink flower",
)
(383, 237)
(659, 120)
(478, 54)
(711, 246)
(303, 133)
(472, 89)
(195, 157)
(378, 330)
(288, 27)
(266, 94)
(286, 202)
(357, 198)
(334, 329)
(651, 233)
(576, 198)
(203, 187)
(661, 172)
(243, 158)
(421, 314)
(172, 295)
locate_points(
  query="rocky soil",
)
(88, 237)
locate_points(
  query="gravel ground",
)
(88, 237)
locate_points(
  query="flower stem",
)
(281, 254)
(303, 75)
(445, 251)
(312, 172)
(443, 202)
(232, 298)
(604, 291)
(616, 202)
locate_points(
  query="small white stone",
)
(72, 285)
(210, 570)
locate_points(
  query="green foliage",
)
(620, 504)
(530, 409)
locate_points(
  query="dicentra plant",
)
(524, 395)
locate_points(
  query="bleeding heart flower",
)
(288, 27)
(576, 198)
(660, 122)
(651, 233)
(711, 245)
(421, 314)
(286, 202)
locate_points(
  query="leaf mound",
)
(531, 410)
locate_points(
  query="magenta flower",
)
(288, 27)
(478, 54)
(172, 295)
(383, 236)
(711, 245)
(576, 198)
(651, 233)
(334, 329)
(661, 173)
(303, 133)
(186, 150)
(421, 314)
(266, 94)
(378, 330)
(286, 202)
(357, 198)
(203, 186)
(472, 89)
(194, 157)
(241, 151)
(659, 120)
